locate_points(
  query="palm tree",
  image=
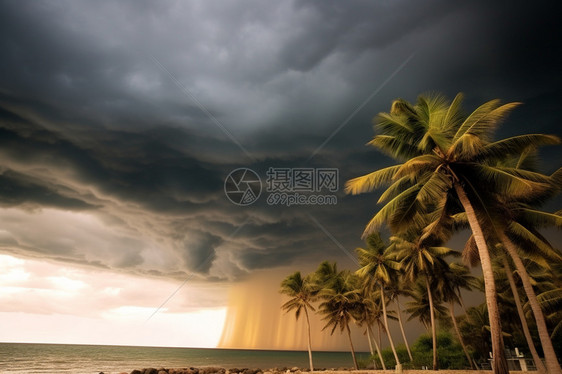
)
(325, 274)
(451, 280)
(538, 362)
(394, 290)
(340, 300)
(302, 293)
(551, 301)
(523, 229)
(521, 233)
(376, 269)
(449, 156)
(552, 364)
(365, 314)
(475, 327)
(419, 258)
(419, 306)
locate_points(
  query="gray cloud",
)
(97, 136)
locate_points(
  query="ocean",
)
(92, 359)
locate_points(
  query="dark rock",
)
(150, 371)
(136, 372)
(210, 370)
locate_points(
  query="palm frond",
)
(483, 121)
(511, 182)
(539, 218)
(395, 210)
(369, 182)
(517, 145)
(534, 246)
(435, 188)
(395, 189)
(470, 254)
(418, 165)
(395, 147)
(453, 117)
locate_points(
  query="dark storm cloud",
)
(98, 117)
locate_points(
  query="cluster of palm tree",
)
(364, 296)
(453, 175)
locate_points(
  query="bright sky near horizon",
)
(121, 119)
(44, 302)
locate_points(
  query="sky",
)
(120, 122)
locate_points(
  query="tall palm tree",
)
(552, 364)
(302, 294)
(447, 155)
(394, 290)
(365, 314)
(451, 280)
(475, 327)
(326, 273)
(520, 234)
(526, 332)
(551, 301)
(419, 306)
(523, 229)
(420, 258)
(377, 265)
(340, 301)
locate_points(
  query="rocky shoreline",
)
(220, 370)
(295, 370)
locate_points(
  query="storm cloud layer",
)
(119, 121)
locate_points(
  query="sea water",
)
(69, 358)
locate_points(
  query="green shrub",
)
(449, 354)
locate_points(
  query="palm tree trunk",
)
(386, 327)
(377, 346)
(526, 332)
(379, 335)
(461, 301)
(371, 349)
(433, 327)
(499, 362)
(456, 326)
(402, 329)
(309, 342)
(351, 345)
(552, 364)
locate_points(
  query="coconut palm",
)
(394, 290)
(526, 332)
(325, 274)
(419, 306)
(302, 294)
(377, 265)
(551, 301)
(468, 254)
(419, 258)
(340, 300)
(520, 235)
(447, 155)
(552, 364)
(365, 315)
(475, 327)
(522, 228)
(451, 279)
